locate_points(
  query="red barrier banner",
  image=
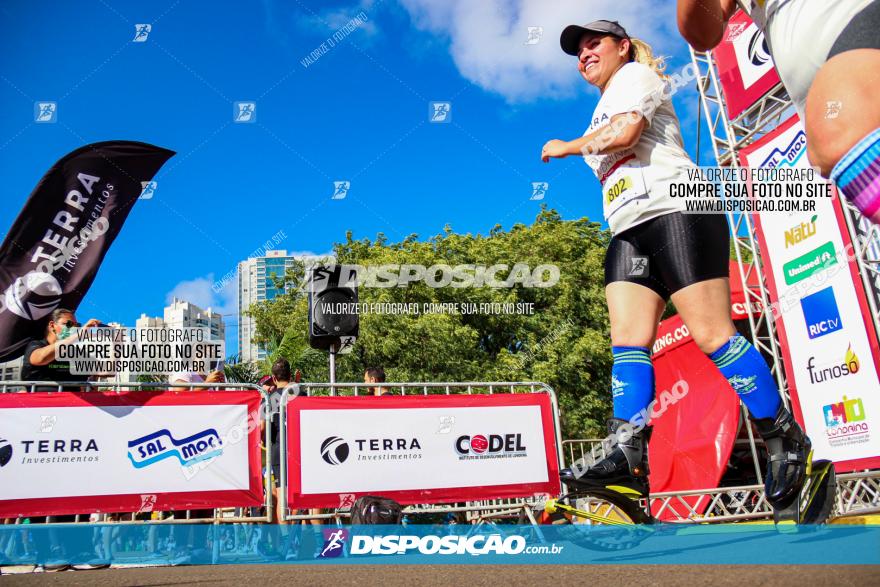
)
(745, 68)
(420, 449)
(80, 453)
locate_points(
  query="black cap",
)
(571, 36)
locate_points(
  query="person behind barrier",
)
(39, 362)
(828, 57)
(178, 381)
(376, 375)
(285, 542)
(657, 253)
(216, 377)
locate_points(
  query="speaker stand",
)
(333, 348)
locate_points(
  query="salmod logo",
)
(160, 445)
(821, 313)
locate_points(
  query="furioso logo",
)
(160, 445)
(835, 369)
(5, 452)
(334, 450)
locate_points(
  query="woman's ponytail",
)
(642, 52)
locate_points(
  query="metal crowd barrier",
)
(857, 494)
(474, 510)
(220, 515)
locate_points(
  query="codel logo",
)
(160, 445)
(34, 295)
(334, 450)
(480, 446)
(5, 452)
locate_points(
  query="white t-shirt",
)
(635, 182)
(800, 34)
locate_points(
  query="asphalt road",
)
(469, 576)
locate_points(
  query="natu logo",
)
(160, 445)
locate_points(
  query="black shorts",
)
(670, 252)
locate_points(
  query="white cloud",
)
(200, 291)
(487, 38)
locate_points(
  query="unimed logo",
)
(810, 263)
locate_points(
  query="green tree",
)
(563, 342)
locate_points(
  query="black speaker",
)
(333, 300)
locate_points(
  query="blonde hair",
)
(642, 52)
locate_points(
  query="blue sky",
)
(358, 113)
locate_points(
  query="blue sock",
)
(748, 374)
(632, 380)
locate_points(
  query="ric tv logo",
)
(821, 313)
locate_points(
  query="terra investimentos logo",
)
(5, 452)
(336, 450)
(47, 452)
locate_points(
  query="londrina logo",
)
(5, 452)
(850, 366)
(845, 420)
(334, 450)
(334, 543)
(844, 412)
(160, 445)
(821, 313)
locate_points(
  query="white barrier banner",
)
(420, 449)
(56, 449)
(829, 347)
